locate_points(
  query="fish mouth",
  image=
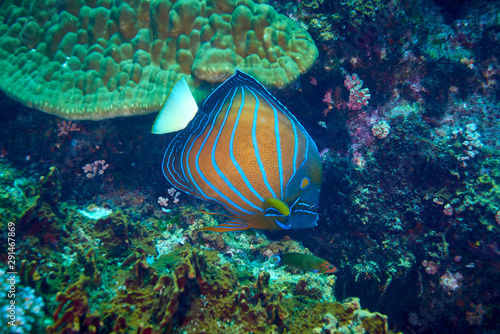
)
(304, 215)
(300, 221)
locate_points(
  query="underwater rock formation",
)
(83, 61)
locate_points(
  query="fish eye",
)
(304, 183)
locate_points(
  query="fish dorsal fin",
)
(178, 109)
(276, 204)
(239, 79)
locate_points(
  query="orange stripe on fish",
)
(247, 152)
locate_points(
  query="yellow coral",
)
(85, 61)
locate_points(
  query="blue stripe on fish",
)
(192, 179)
(278, 142)
(295, 150)
(256, 146)
(283, 226)
(231, 152)
(278, 147)
(214, 162)
(198, 169)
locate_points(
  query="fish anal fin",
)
(229, 226)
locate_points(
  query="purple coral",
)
(357, 97)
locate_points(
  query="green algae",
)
(18, 194)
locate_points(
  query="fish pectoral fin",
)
(229, 226)
(178, 110)
(272, 205)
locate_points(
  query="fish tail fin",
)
(327, 268)
(230, 226)
(177, 111)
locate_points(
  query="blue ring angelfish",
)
(245, 151)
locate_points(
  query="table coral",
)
(109, 59)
